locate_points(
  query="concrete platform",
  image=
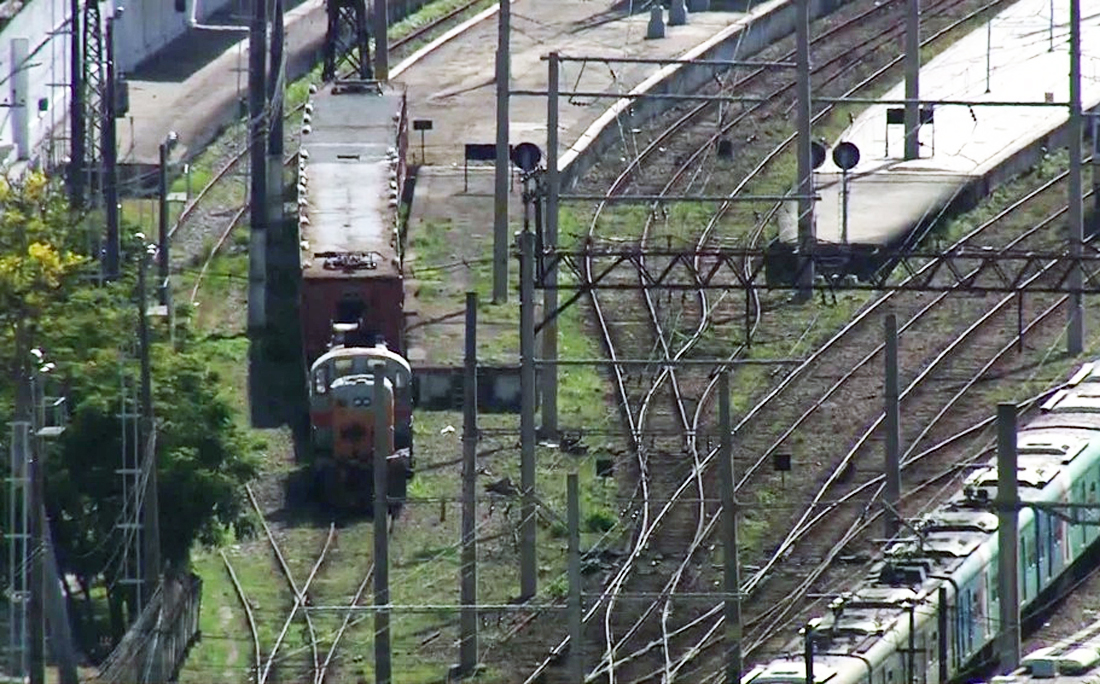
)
(455, 85)
(966, 150)
(197, 103)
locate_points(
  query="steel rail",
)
(258, 659)
(871, 44)
(299, 594)
(635, 162)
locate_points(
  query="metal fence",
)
(156, 645)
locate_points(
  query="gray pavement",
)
(205, 100)
(455, 85)
(1022, 56)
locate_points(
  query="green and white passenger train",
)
(930, 606)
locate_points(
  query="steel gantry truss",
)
(965, 269)
(93, 92)
(347, 40)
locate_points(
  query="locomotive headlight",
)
(357, 402)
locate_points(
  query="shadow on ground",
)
(202, 44)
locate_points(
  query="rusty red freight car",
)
(353, 169)
(352, 306)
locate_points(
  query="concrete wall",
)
(37, 79)
(35, 88)
(148, 25)
(740, 41)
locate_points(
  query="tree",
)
(89, 332)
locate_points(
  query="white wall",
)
(148, 25)
(144, 27)
(44, 23)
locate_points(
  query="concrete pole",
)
(20, 112)
(892, 493)
(912, 80)
(550, 241)
(1094, 120)
(36, 617)
(528, 556)
(1008, 522)
(576, 608)
(257, 247)
(808, 652)
(1075, 336)
(109, 144)
(275, 132)
(500, 195)
(382, 445)
(77, 128)
(20, 543)
(381, 42)
(988, 55)
(942, 621)
(162, 224)
(806, 237)
(1007, 502)
(730, 548)
(57, 614)
(150, 508)
(468, 646)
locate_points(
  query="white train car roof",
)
(347, 188)
(954, 540)
(1075, 660)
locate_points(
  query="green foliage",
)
(599, 521)
(89, 333)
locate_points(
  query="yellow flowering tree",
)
(38, 248)
(40, 255)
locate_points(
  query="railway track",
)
(322, 645)
(820, 511)
(193, 224)
(636, 422)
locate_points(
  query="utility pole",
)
(1075, 335)
(18, 536)
(912, 81)
(163, 264)
(468, 645)
(892, 492)
(110, 155)
(276, 86)
(500, 194)
(576, 607)
(37, 617)
(1007, 503)
(150, 511)
(732, 608)
(381, 42)
(528, 555)
(550, 241)
(76, 113)
(257, 254)
(806, 236)
(382, 444)
(808, 652)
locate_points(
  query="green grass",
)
(424, 558)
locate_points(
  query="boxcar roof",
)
(349, 225)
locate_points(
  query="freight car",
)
(930, 606)
(351, 173)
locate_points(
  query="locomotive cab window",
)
(342, 367)
(349, 309)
